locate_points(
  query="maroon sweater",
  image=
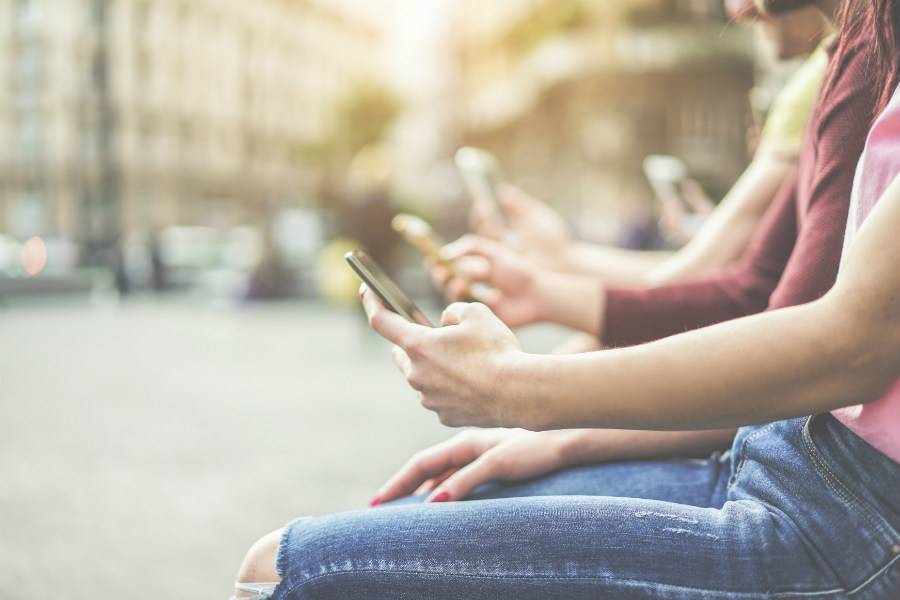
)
(794, 255)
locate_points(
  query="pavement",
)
(145, 445)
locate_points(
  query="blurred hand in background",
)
(533, 229)
(510, 278)
(681, 215)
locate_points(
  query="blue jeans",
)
(797, 509)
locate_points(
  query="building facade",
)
(124, 116)
(572, 95)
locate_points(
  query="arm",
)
(630, 316)
(840, 350)
(837, 351)
(614, 265)
(588, 446)
(721, 241)
(522, 293)
(727, 233)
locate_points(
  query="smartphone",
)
(480, 173)
(420, 235)
(665, 174)
(391, 295)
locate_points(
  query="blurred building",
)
(572, 95)
(128, 115)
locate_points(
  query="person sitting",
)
(802, 506)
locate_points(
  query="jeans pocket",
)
(740, 451)
(845, 493)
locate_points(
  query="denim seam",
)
(834, 482)
(744, 446)
(874, 577)
(750, 595)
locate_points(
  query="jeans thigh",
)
(570, 547)
(837, 492)
(700, 482)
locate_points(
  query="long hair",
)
(882, 18)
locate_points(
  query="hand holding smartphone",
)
(387, 291)
(665, 174)
(420, 235)
(480, 173)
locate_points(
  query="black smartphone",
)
(386, 290)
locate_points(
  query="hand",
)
(463, 371)
(450, 470)
(510, 288)
(535, 230)
(683, 212)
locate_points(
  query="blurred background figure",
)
(168, 168)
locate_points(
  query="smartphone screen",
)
(480, 174)
(386, 290)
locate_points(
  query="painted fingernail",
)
(375, 501)
(442, 497)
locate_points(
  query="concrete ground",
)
(144, 446)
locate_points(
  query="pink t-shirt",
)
(878, 422)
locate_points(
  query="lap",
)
(700, 482)
(785, 528)
(542, 547)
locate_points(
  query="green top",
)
(785, 126)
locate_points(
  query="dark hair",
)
(881, 17)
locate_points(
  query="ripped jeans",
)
(797, 509)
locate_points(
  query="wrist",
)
(521, 396)
(570, 300)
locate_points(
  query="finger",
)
(457, 290)
(484, 219)
(390, 325)
(513, 201)
(440, 275)
(401, 359)
(473, 267)
(428, 464)
(432, 483)
(469, 245)
(460, 312)
(696, 197)
(453, 314)
(461, 483)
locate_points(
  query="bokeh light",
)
(34, 256)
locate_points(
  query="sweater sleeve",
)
(794, 256)
(636, 315)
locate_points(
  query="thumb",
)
(460, 484)
(513, 201)
(458, 312)
(454, 314)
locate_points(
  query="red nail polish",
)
(375, 501)
(442, 497)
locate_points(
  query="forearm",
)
(588, 446)
(708, 380)
(726, 235)
(614, 265)
(571, 300)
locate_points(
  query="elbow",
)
(866, 332)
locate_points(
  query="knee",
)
(259, 564)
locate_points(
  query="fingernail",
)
(442, 497)
(375, 501)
